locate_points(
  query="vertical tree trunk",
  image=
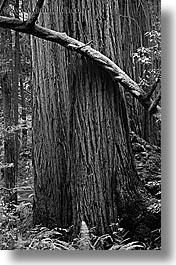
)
(15, 86)
(82, 158)
(9, 144)
(23, 113)
(7, 95)
(136, 19)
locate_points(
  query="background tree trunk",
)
(23, 113)
(137, 18)
(82, 158)
(15, 87)
(7, 96)
(9, 144)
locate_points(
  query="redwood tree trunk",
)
(9, 172)
(82, 158)
(9, 144)
(23, 113)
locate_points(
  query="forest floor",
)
(17, 231)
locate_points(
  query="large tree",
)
(82, 157)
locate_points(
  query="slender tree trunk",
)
(82, 158)
(9, 144)
(15, 87)
(7, 95)
(23, 113)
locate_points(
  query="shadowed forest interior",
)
(80, 125)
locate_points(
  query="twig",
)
(87, 44)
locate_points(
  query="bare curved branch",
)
(118, 75)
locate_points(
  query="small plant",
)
(149, 58)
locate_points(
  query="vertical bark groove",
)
(83, 163)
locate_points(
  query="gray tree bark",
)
(82, 158)
(83, 163)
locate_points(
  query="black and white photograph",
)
(80, 125)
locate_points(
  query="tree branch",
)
(31, 21)
(154, 104)
(119, 76)
(149, 94)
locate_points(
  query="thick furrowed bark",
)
(116, 73)
(82, 157)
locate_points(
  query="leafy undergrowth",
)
(17, 231)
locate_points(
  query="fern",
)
(84, 242)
